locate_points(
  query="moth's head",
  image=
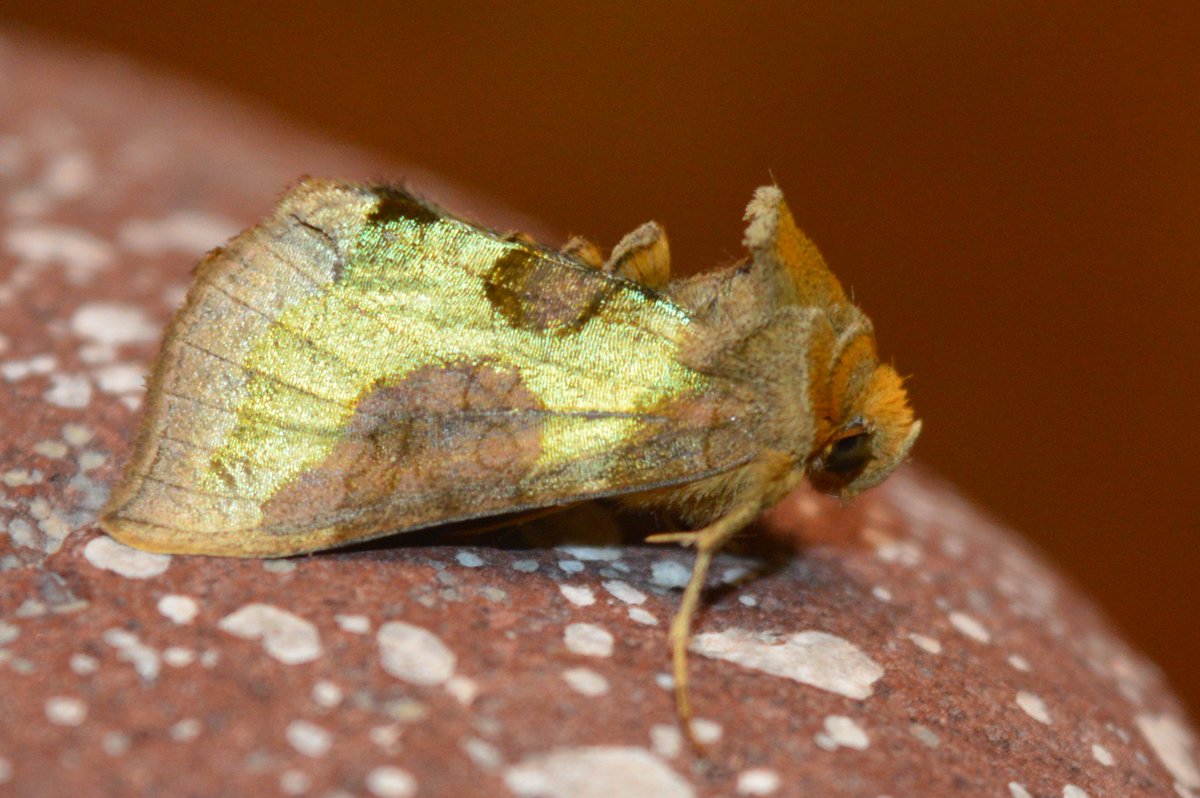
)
(873, 436)
(864, 424)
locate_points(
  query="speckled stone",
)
(902, 645)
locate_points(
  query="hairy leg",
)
(707, 541)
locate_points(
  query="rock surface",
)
(902, 645)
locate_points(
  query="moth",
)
(363, 363)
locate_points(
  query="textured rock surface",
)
(903, 645)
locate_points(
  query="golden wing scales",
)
(361, 364)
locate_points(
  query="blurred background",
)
(1012, 191)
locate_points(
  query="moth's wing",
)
(361, 363)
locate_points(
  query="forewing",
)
(361, 363)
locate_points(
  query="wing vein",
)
(276, 323)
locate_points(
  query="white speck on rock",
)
(84, 664)
(295, 782)
(179, 609)
(69, 174)
(113, 324)
(757, 781)
(1020, 663)
(881, 593)
(902, 552)
(954, 546)
(926, 643)
(71, 391)
(20, 532)
(926, 735)
(735, 575)
(143, 658)
(185, 730)
(817, 659)
(80, 252)
(18, 477)
(1071, 791)
(706, 731)
(95, 354)
(8, 633)
(308, 738)
(668, 573)
(469, 559)
(588, 639)
(413, 654)
(279, 566)
(624, 591)
(586, 681)
(90, 461)
(842, 732)
(115, 743)
(579, 595)
(1017, 791)
(595, 772)
(354, 624)
(326, 694)
(485, 755)
(65, 711)
(525, 566)
(464, 689)
(174, 294)
(15, 370)
(1102, 755)
(666, 740)
(109, 555)
(1034, 706)
(571, 566)
(189, 232)
(391, 782)
(642, 616)
(593, 553)
(76, 434)
(55, 450)
(286, 637)
(1173, 744)
(178, 656)
(970, 626)
(386, 737)
(121, 378)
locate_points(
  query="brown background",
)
(1014, 194)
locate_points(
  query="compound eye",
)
(848, 456)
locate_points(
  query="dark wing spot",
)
(396, 204)
(422, 446)
(505, 284)
(535, 293)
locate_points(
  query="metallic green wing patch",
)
(362, 363)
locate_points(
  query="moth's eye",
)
(848, 456)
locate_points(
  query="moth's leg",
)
(583, 250)
(708, 541)
(642, 256)
(686, 538)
